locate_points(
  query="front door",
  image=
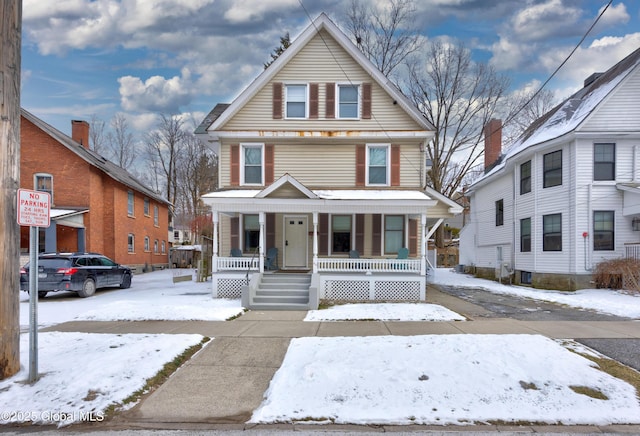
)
(295, 242)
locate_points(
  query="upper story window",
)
(525, 235)
(130, 201)
(296, 101)
(552, 169)
(146, 207)
(552, 232)
(499, 212)
(603, 230)
(525, 177)
(348, 101)
(252, 158)
(604, 161)
(155, 215)
(44, 183)
(378, 167)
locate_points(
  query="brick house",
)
(96, 206)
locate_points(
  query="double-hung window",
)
(525, 235)
(146, 207)
(552, 169)
(604, 161)
(499, 212)
(552, 232)
(393, 233)
(44, 183)
(146, 243)
(131, 243)
(251, 229)
(155, 215)
(252, 164)
(378, 168)
(525, 177)
(296, 101)
(341, 233)
(130, 200)
(603, 230)
(348, 101)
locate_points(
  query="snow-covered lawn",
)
(435, 379)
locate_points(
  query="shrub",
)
(623, 273)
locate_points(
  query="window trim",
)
(525, 181)
(351, 232)
(387, 147)
(243, 230)
(604, 163)
(286, 101)
(612, 213)
(244, 146)
(384, 233)
(550, 171)
(358, 103)
(525, 237)
(548, 234)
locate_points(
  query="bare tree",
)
(526, 107)
(121, 142)
(197, 175)
(386, 36)
(164, 145)
(97, 138)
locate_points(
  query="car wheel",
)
(88, 288)
(42, 294)
(126, 281)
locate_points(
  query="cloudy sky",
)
(144, 57)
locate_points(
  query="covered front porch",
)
(354, 244)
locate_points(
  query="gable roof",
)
(109, 168)
(569, 115)
(216, 119)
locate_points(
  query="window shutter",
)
(235, 165)
(323, 234)
(376, 235)
(330, 103)
(360, 233)
(395, 165)
(413, 237)
(277, 101)
(361, 162)
(366, 101)
(313, 100)
(270, 230)
(235, 232)
(268, 164)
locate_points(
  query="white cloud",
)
(156, 94)
(243, 11)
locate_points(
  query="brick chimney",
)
(80, 132)
(492, 142)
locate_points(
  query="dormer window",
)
(296, 101)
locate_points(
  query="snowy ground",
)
(394, 380)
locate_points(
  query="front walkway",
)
(222, 384)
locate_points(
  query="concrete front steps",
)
(282, 292)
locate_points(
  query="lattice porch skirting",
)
(374, 287)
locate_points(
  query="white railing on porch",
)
(329, 264)
(632, 250)
(238, 263)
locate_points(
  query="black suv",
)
(79, 272)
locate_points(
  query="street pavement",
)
(220, 386)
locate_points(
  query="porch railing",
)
(329, 264)
(238, 263)
(632, 250)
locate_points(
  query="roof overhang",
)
(68, 217)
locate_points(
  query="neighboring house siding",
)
(620, 111)
(318, 65)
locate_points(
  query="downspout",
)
(585, 235)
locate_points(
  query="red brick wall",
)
(77, 184)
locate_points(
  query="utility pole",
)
(10, 45)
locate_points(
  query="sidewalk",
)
(219, 387)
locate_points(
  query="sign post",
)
(34, 211)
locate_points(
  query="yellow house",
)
(322, 169)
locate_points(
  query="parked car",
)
(78, 272)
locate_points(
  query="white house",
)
(566, 194)
(322, 172)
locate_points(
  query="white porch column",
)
(262, 239)
(423, 246)
(214, 259)
(315, 242)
